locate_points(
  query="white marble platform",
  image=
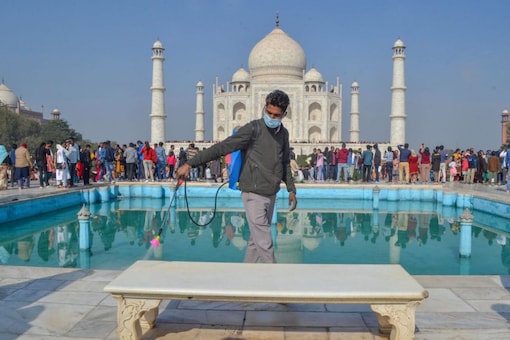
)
(57, 303)
(53, 303)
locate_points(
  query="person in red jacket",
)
(342, 167)
(414, 166)
(171, 161)
(425, 164)
(149, 155)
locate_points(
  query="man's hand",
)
(183, 171)
(292, 201)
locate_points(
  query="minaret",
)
(199, 124)
(354, 131)
(504, 126)
(398, 96)
(158, 115)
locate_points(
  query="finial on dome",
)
(277, 19)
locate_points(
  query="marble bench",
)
(391, 292)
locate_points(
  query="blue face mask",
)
(272, 123)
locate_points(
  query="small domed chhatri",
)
(313, 76)
(55, 114)
(157, 44)
(399, 43)
(241, 75)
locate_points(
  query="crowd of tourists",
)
(404, 165)
(65, 164)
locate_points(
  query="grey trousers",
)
(259, 212)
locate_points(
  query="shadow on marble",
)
(24, 311)
(230, 320)
(505, 281)
(502, 307)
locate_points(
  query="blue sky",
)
(92, 60)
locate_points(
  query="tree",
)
(16, 129)
(58, 130)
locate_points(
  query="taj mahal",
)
(279, 62)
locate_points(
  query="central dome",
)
(277, 56)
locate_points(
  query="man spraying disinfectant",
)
(264, 146)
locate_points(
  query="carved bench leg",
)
(398, 320)
(149, 317)
(129, 313)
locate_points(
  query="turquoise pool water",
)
(425, 237)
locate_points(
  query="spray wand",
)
(155, 242)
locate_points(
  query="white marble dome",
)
(311, 242)
(277, 55)
(313, 76)
(23, 105)
(241, 75)
(7, 97)
(399, 43)
(157, 44)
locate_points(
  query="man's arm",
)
(239, 141)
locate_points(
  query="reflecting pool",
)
(424, 237)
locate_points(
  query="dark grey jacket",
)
(266, 158)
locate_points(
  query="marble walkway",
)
(63, 303)
(59, 303)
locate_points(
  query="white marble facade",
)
(279, 62)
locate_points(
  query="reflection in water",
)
(24, 248)
(45, 247)
(424, 242)
(67, 245)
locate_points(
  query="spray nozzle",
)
(155, 241)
